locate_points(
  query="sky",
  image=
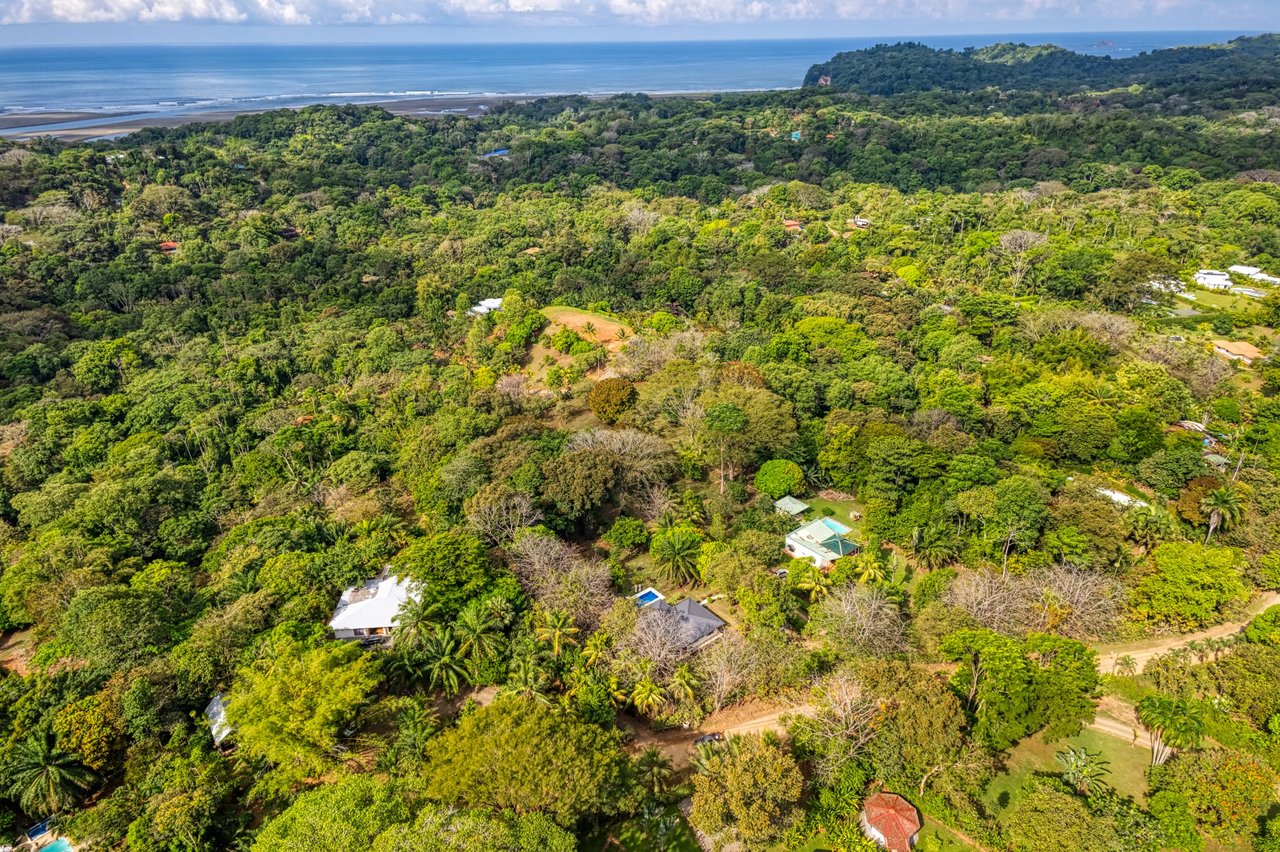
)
(133, 21)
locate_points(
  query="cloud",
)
(644, 12)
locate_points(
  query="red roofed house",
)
(168, 247)
(890, 821)
(792, 225)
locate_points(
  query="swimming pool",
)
(648, 596)
(59, 845)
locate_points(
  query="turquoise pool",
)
(59, 845)
(647, 597)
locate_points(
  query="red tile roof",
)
(894, 818)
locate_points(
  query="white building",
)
(821, 542)
(485, 306)
(1253, 273)
(790, 506)
(369, 611)
(1213, 279)
(1121, 499)
(216, 713)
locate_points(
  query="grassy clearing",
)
(605, 328)
(1128, 765)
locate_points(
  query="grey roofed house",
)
(700, 621)
(790, 506)
(216, 713)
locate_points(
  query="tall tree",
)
(1175, 724)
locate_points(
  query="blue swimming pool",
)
(647, 597)
(59, 845)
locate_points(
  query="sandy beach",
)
(28, 119)
(86, 126)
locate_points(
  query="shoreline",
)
(72, 126)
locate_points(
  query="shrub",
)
(780, 477)
(611, 398)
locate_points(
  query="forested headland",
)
(253, 374)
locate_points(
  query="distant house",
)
(824, 80)
(369, 612)
(168, 247)
(859, 223)
(1121, 499)
(485, 306)
(1253, 273)
(1237, 350)
(216, 713)
(700, 624)
(496, 152)
(1213, 279)
(790, 506)
(891, 821)
(1191, 426)
(821, 542)
(792, 226)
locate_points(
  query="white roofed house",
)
(821, 542)
(368, 612)
(1213, 279)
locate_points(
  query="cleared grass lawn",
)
(1127, 765)
(606, 328)
(642, 835)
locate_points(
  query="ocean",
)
(154, 79)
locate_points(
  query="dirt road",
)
(1141, 652)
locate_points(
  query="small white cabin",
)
(369, 612)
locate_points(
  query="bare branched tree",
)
(1064, 600)
(725, 669)
(661, 637)
(499, 513)
(844, 720)
(646, 459)
(860, 620)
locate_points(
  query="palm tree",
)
(443, 663)
(654, 769)
(527, 679)
(868, 570)
(684, 682)
(595, 648)
(1083, 770)
(557, 629)
(676, 552)
(816, 582)
(1174, 724)
(1149, 525)
(415, 622)
(589, 328)
(477, 632)
(1126, 666)
(43, 779)
(647, 696)
(934, 548)
(1224, 508)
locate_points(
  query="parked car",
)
(708, 739)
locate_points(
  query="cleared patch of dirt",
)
(16, 650)
(605, 329)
